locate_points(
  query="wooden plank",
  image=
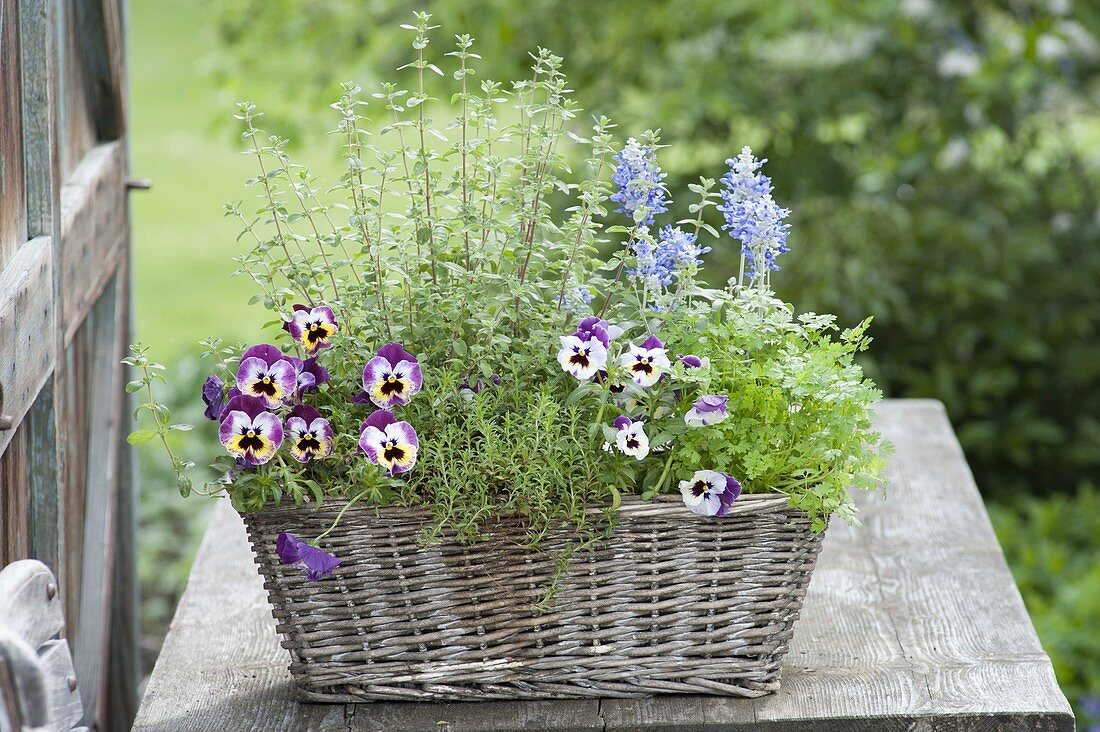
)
(911, 622)
(99, 30)
(26, 328)
(124, 662)
(100, 491)
(95, 231)
(39, 63)
(75, 112)
(47, 544)
(15, 520)
(13, 207)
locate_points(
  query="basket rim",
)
(631, 506)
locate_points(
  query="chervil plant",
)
(448, 337)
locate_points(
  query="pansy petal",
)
(316, 563)
(287, 547)
(403, 432)
(323, 430)
(410, 372)
(266, 352)
(371, 440)
(250, 405)
(305, 412)
(395, 353)
(295, 426)
(213, 396)
(234, 423)
(249, 370)
(270, 426)
(376, 370)
(379, 419)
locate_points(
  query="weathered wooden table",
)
(912, 622)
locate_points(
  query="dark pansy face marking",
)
(312, 329)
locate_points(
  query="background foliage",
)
(940, 159)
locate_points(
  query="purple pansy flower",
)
(707, 410)
(274, 383)
(710, 493)
(309, 434)
(646, 363)
(389, 443)
(213, 396)
(249, 431)
(309, 373)
(392, 377)
(631, 438)
(316, 563)
(312, 329)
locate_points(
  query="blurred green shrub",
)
(939, 157)
(1051, 546)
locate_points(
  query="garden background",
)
(942, 161)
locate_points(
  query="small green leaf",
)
(140, 437)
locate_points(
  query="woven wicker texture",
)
(672, 603)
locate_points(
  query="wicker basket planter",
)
(672, 603)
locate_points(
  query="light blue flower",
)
(640, 182)
(752, 215)
(675, 253)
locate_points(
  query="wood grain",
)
(95, 231)
(26, 328)
(39, 66)
(911, 622)
(13, 207)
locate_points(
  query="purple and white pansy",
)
(710, 493)
(391, 377)
(707, 410)
(265, 373)
(312, 328)
(582, 359)
(646, 363)
(250, 432)
(309, 435)
(630, 437)
(388, 442)
(316, 563)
